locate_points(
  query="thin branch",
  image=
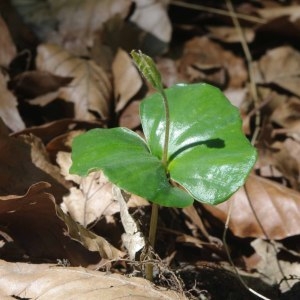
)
(217, 11)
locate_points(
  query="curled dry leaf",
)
(277, 208)
(73, 25)
(269, 263)
(31, 222)
(90, 89)
(127, 81)
(230, 34)
(8, 49)
(151, 16)
(31, 84)
(280, 66)
(80, 22)
(45, 281)
(133, 238)
(88, 239)
(18, 170)
(8, 107)
(204, 60)
(286, 157)
(130, 117)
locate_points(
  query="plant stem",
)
(154, 212)
(152, 237)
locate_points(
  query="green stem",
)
(154, 212)
(152, 237)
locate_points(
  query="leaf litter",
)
(104, 90)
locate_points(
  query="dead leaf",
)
(127, 80)
(204, 60)
(286, 157)
(287, 114)
(88, 239)
(8, 107)
(72, 25)
(280, 66)
(151, 16)
(92, 199)
(130, 117)
(31, 84)
(81, 22)
(18, 171)
(269, 13)
(32, 223)
(45, 281)
(230, 34)
(133, 238)
(8, 49)
(269, 263)
(277, 208)
(90, 90)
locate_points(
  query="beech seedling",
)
(194, 146)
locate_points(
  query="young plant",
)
(194, 147)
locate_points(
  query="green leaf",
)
(208, 153)
(125, 159)
(148, 68)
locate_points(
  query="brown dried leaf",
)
(269, 265)
(204, 60)
(151, 16)
(90, 90)
(8, 49)
(31, 84)
(80, 22)
(281, 66)
(277, 208)
(88, 239)
(18, 171)
(46, 282)
(230, 34)
(33, 225)
(286, 157)
(8, 107)
(127, 81)
(130, 117)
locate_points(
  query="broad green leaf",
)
(208, 153)
(148, 68)
(125, 159)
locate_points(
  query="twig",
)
(217, 11)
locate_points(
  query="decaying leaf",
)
(73, 25)
(8, 49)
(45, 281)
(90, 89)
(127, 81)
(277, 208)
(132, 239)
(273, 269)
(8, 107)
(152, 16)
(18, 170)
(130, 117)
(204, 60)
(88, 239)
(280, 66)
(31, 221)
(230, 34)
(31, 84)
